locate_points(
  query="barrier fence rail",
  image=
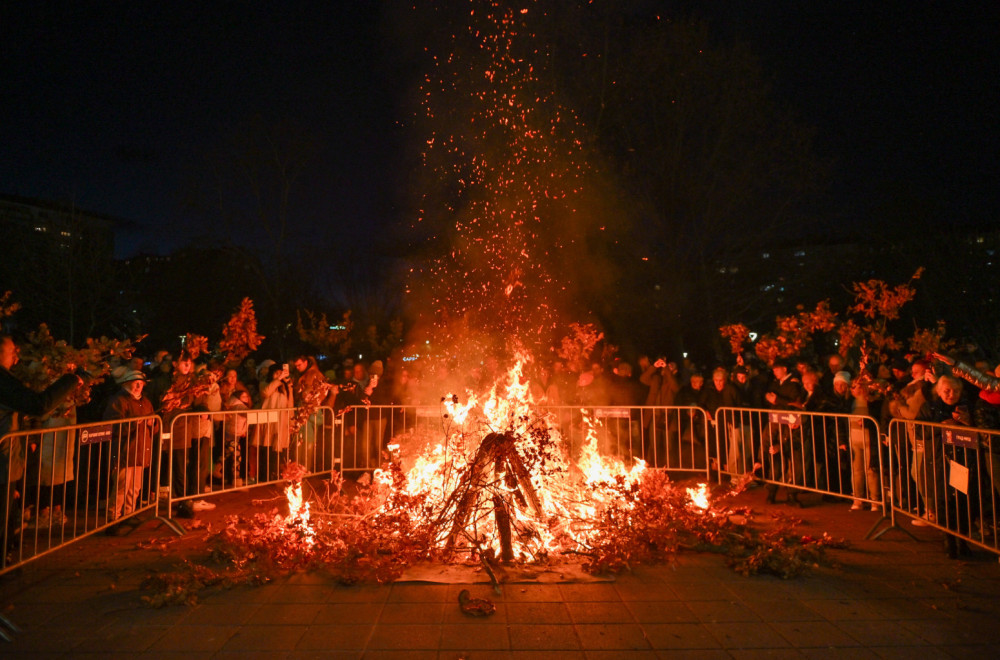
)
(214, 452)
(674, 438)
(834, 454)
(947, 477)
(61, 483)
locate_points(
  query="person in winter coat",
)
(15, 400)
(722, 393)
(270, 440)
(783, 393)
(132, 443)
(191, 435)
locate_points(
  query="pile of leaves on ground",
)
(658, 518)
(370, 535)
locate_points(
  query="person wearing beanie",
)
(131, 444)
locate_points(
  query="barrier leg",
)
(7, 629)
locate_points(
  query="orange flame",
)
(298, 513)
(699, 497)
(552, 511)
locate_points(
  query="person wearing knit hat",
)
(842, 376)
(125, 375)
(131, 446)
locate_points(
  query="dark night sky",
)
(108, 105)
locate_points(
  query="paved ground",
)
(893, 597)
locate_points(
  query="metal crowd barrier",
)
(946, 478)
(675, 438)
(833, 454)
(62, 483)
(77, 480)
(671, 438)
(365, 433)
(206, 453)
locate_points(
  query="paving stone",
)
(745, 635)
(879, 633)
(853, 652)
(589, 592)
(324, 655)
(208, 638)
(663, 612)
(388, 654)
(842, 609)
(782, 610)
(608, 636)
(536, 593)
(688, 591)
(679, 636)
(419, 593)
(537, 613)
(153, 654)
(631, 654)
(598, 612)
(694, 654)
(412, 613)
(347, 613)
(250, 655)
(359, 594)
(474, 638)
(272, 614)
(910, 652)
(552, 654)
(210, 614)
(812, 634)
(788, 653)
(719, 611)
(405, 636)
(547, 637)
(951, 632)
(265, 638)
(901, 608)
(122, 638)
(339, 637)
(301, 593)
(480, 654)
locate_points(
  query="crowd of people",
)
(846, 457)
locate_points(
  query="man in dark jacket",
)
(722, 393)
(784, 393)
(16, 398)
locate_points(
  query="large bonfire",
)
(496, 484)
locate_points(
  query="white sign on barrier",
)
(618, 413)
(784, 418)
(958, 477)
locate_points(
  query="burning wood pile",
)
(501, 489)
